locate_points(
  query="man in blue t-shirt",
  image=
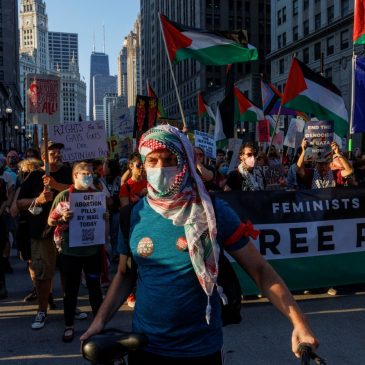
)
(175, 239)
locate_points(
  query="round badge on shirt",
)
(182, 244)
(145, 247)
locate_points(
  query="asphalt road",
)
(263, 337)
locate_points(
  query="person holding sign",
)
(176, 235)
(322, 176)
(74, 260)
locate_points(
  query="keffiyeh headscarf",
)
(186, 203)
(319, 182)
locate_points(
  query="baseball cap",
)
(52, 145)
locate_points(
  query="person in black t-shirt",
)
(37, 194)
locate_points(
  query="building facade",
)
(122, 71)
(63, 48)
(108, 101)
(102, 85)
(192, 76)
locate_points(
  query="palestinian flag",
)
(205, 111)
(311, 93)
(160, 109)
(245, 110)
(218, 48)
(359, 22)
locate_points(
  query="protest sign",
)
(87, 226)
(319, 136)
(82, 140)
(295, 126)
(43, 99)
(145, 115)
(113, 146)
(234, 145)
(124, 124)
(313, 238)
(263, 131)
(207, 143)
(274, 174)
(278, 140)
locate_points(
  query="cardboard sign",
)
(43, 99)
(263, 131)
(82, 140)
(87, 226)
(207, 143)
(295, 126)
(319, 136)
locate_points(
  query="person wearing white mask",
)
(74, 260)
(248, 176)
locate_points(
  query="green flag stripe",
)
(360, 40)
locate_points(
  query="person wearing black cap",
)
(37, 194)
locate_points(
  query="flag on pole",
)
(205, 111)
(245, 110)
(160, 109)
(359, 22)
(218, 130)
(309, 92)
(358, 108)
(218, 48)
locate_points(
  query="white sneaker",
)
(39, 320)
(80, 315)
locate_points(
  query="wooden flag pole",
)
(172, 74)
(45, 141)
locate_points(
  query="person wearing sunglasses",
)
(248, 176)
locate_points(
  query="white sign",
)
(82, 140)
(124, 124)
(235, 146)
(87, 226)
(207, 143)
(295, 126)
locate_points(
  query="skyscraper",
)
(99, 65)
(122, 70)
(102, 84)
(63, 47)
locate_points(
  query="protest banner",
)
(82, 140)
(274, 174)
(313, 238)
(145, 115)
(43, 99)
(263, 131)
(87, 226)
(295, 126)
(207, 143)
(319, 136)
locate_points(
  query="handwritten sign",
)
(274, 175)
(87, 226)
(263, 131)
(43, 99)
(82, 140)
(319, 136)
(206, 142)
(124, 124)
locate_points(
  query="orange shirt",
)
(133, 189)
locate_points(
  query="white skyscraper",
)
(122, 71)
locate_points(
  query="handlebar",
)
(307, 354)
(111, 344)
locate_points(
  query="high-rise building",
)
(10, 101)
(308, 30)
(122, 70)
(108, 101)
(133, 47)
(102, 84)
(99, 65)
(63, 47)
(192, 76)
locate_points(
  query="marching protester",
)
(248, 176)
(181, 253)
(273, 156)
(74, 260)
(321, 176)
(36, 195)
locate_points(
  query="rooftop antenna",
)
(94, 42)
(104, 38)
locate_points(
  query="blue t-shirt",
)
(170, 306)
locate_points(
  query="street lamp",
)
(20, 132)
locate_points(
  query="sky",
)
(87, 17)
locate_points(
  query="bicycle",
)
(307, 354)
(111, 346)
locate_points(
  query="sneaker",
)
(32, 296)
(131, 301)
(332, 291)
(39, 320)
(80, 315)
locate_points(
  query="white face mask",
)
(250, 161)
(85, 180)
(161, 178)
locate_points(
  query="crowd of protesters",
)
(35, 210)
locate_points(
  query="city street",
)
(263, 337)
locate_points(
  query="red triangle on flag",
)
(295, 83)
(242, 101)
(201, 106)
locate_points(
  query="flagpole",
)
(352, 101)
(172, 74)
(274, 131)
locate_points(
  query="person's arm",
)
(300, 162)
(127, 174)
(206, 174)
(121, 286)
(53, 184)
(347, 168)
(43, 198)
(274, 288)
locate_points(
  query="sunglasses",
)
(139, 165)
(248, 154)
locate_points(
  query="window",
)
(317, 51)
(284, 14)
(330, 45)
(306, 27)
(345, 7)
(330, 14)
(328, 73)
(345, 39)
(295, 7)
(317, 21)
(295, 33)
(279, 41)
(281, 66)
(284, 39)
(305, 4)
(306, 55)
(279, 17)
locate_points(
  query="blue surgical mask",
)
(161, 178)
(223, 170)
(85, 181)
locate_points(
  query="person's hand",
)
(303, 334)
(67, 215)
(95, 328)
(45, 197)
(335, 148)
(282, 181)
(49, 181)
(304, 144)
